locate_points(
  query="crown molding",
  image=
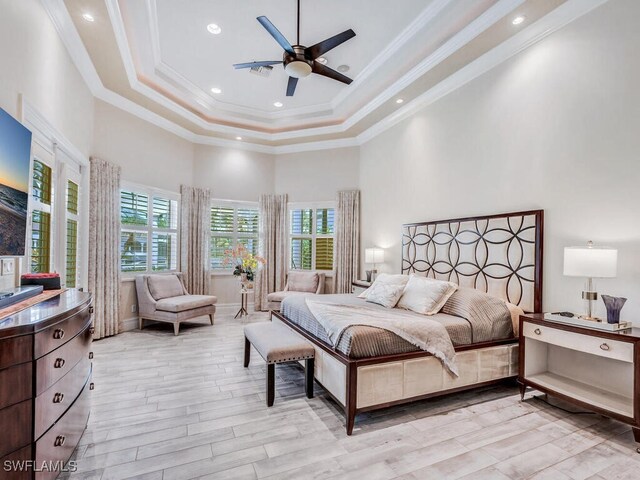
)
(556, 19)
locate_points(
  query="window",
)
(71, 257)
(149, 230)
(232, 224)
(311, 233)
(41, 218)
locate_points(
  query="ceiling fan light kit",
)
(300, 61)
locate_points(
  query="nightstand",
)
(593, 369)
(359, 286)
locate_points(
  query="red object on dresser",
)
(49, 281)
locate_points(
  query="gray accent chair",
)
(298, 283)
(163, 298)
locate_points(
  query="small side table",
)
(244, 300)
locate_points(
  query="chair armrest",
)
(146, 303)
(321, 277)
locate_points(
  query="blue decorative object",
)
(614, 305)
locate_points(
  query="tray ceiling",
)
(157, 59)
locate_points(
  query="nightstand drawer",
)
(583, 343)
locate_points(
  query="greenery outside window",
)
(232, 224)
(149, 230)
(311, 232)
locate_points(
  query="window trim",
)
(311, 206)
(149, 229)
(235, 235)
(37, 205)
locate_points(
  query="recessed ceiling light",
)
(518, 20)
(88, 17)
(400, 100)
(278, 104)
(343, 68)
(216, 90)
(213, 28)
(238, 138)
(321, 60)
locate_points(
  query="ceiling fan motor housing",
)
(298, 65)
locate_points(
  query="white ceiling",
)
(172, 50)
(206, 60)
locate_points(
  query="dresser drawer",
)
(51, 404)
(60, 333)
(60, 441)
(15, 384)
(53, 366)
(15, 425)
(14, 465)
(16, 350)
(602, 347)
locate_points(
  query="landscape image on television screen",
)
(15, 159)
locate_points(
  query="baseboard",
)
(130, 324)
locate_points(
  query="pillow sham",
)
(386, 289)
(426, 295)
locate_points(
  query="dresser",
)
(593, 369)
(45, 379)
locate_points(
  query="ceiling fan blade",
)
(275, 33)
(323, 47)
(256, 64)
(291, 86)
(331, 73)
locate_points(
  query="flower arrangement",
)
(245, 262)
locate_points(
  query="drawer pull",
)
(90, 355)
(58, 334)
(537, 331)
(59, 363)
(57, 398)
(91, 309)
(59, 441)
(92, 386)
(604, 346)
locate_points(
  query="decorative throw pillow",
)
(387, 289)
(303, 282)
(426, 295)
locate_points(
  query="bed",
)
(371, 368)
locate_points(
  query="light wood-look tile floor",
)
(184, 407)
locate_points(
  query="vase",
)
(614, 305)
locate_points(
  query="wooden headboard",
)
(499, 254)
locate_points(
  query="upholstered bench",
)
(277, 344)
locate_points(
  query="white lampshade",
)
(373, 255)
(590, 261)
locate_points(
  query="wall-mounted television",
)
(15, 163)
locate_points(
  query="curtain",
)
(104, 246)
(273, 248)
(347, 238)
(195, 229)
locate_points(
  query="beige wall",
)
(555, 127)
(317, 176)
(36, 65)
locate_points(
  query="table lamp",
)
(373, 255)
(590, 262)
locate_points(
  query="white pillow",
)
(426, 295)
(387, 289)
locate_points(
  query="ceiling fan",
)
(300, 61)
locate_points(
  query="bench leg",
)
(308, 377)
(247, 352)
(211, 318)
(176, 328)
(271, 383)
